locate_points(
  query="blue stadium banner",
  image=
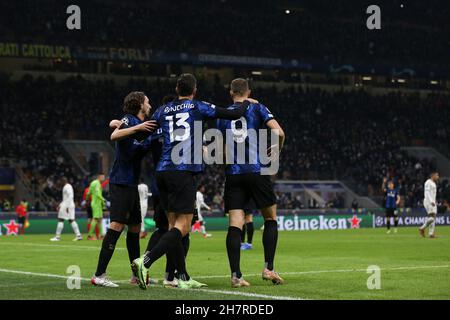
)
(7, 179)
(150, 55)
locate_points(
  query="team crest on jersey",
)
(125, 121)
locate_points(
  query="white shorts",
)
(66, 213)
(430, 209)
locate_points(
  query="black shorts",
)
(89, 211)
(21, 220)
(240, 189)
(250, 207)
(159, 215)
(390, 212)
(177, 191)
(125, 206)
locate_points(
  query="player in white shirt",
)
(143, 199)
(430, 204)
(199, 204)
(66, 211)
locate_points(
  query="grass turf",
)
(315, 265)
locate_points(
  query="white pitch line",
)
(48, 275)
(57, 245)
(237, 293)
(249, 294)
(329, 271)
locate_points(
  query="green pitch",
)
(315, 265)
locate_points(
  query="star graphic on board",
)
(11, 228)
(355, 221)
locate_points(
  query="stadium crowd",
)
(325, 32)
(349, 135)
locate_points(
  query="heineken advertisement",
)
(47, 224)
(324, 222)
(411, 220)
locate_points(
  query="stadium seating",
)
(407, 38)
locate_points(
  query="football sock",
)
(88, 227)
(92, 229)
(156, 235)
(180, 262)
(269, 239)
(59, 228)
(244, 231)
(170, 262)
(75, 228)
(100, 228)
(233, 243)
(250, 230)
(432, 226)
(388, 223)
(168, 241)
(396, 222)
(428, 221)
(108, 246)
(133, 246)
(203, 229)
(186, 243)
(170, 267)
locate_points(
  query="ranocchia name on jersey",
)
(179, 107)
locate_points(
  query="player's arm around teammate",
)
(124, 177)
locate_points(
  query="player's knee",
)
(185, 230)
(183, 227)
(116, 226)
(237, 221)
(270, 213)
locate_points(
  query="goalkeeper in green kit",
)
(98, 203)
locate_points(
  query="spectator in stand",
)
(6, 205)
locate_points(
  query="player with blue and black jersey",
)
(392, 201)
(245, 181)
(155, 144)
(123, 183)
(181, 158)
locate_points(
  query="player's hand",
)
(251, 100)
(148, 126)
(115, 124)
(433, 204)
